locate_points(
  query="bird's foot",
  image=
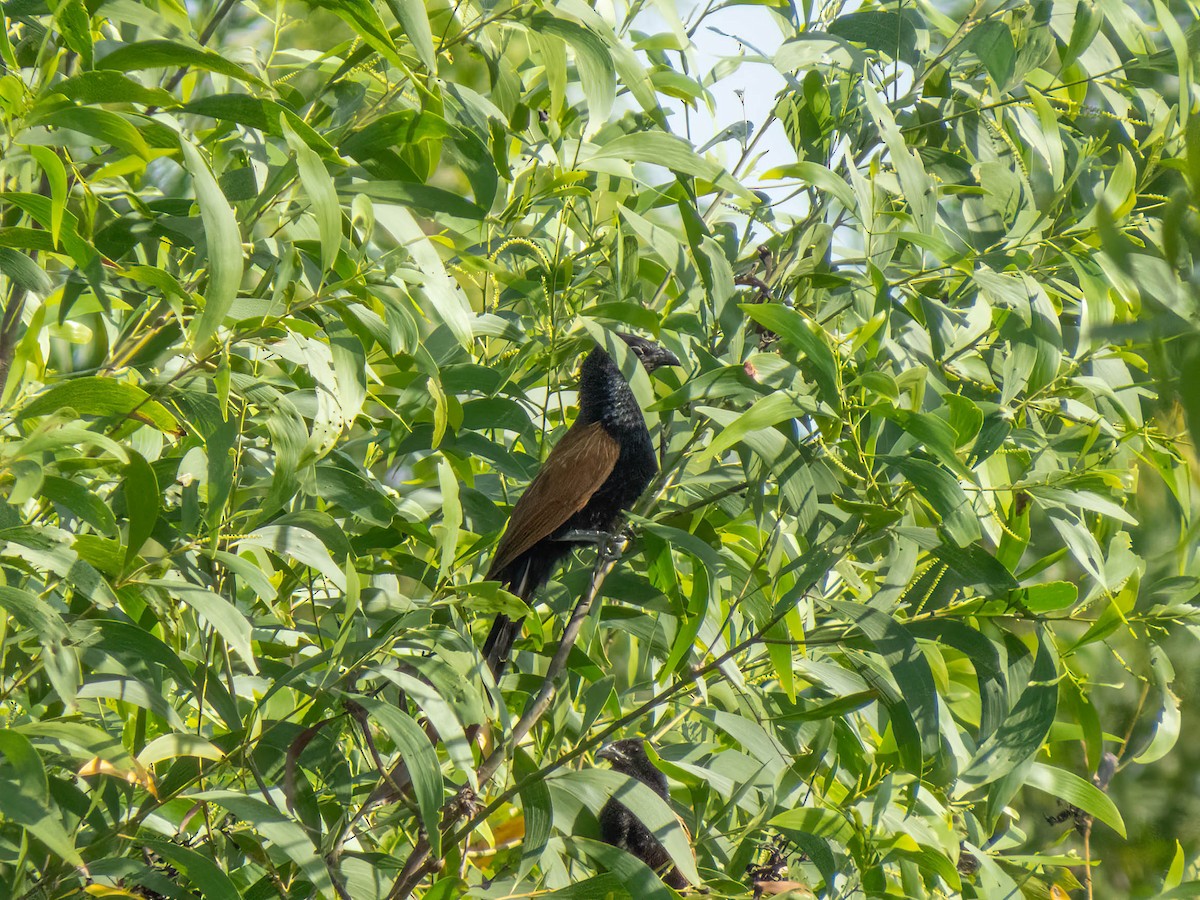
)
(465, 803)
(617, 542)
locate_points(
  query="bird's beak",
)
(662, 357)
(669, 359)
(610, 752)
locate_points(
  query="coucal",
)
(595, 473)
(620, 827)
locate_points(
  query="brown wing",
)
(573, 471)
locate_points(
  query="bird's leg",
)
(585, 536)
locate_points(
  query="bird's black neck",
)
(648, 774)
(605, 396)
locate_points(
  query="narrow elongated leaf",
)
(1023, 731)
(161, 54)
(56, 176)
(420, 759)
(597, 73)
(536, 808)
(593, 787)
(781, 406)
(446, 300)
(24, 272)
(414, 19)
(1070, 788)
(321, 192)
(201, 871)
(222, 615)
(224, 246)
(283, 832)
(30, 803)
(800, 333)
(301, 545)
(910, 670)
(99, 396)
(142, 502)
(35, 614)
(107, 128)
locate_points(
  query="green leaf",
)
(171, 55)
(104, 126)
(175, 744)
(321, 192)
(222, 615)
(451, 516)
(142, 502)
(361, 16)
(102, 86)
(805, 336)
(594, 787)
(597, 72)
(887, 32)
(1023, 731)
(81, 502)
(441, 713)
(915, 184)
(445, 299)
(635, 875)
(197, 868)
(781, 406)
(301, 545)
(992, 42)
(422, 196)
(224, 256)
(818, 176)
(910, 669)
(414, 19)
(420, 759)
(1070, 788)
(1170, 720)
(24, 272)
(28, 801)
(1041, 598)
(663, 149)
(824, 823)
(535, 807)
(56, 176)
(945, 495)
(99, 396)
(35, 614)
(258, 113)
(281, 831)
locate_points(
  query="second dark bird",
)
(600, 467)
(620, 827)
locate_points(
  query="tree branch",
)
(419, 864)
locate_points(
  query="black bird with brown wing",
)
(595, 473)
(620, 827)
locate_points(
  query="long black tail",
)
(524, 577)
(499, 643)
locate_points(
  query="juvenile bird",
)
(595, 473)
(620, 827)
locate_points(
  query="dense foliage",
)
(293, 297)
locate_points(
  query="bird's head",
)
(651, 355)
(627, 755)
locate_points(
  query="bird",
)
(594, 473)
(620, 827)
